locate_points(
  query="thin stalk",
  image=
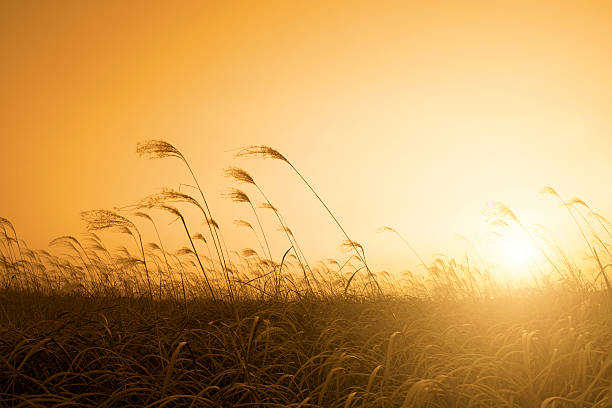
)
(262, 230)
(293, 241)
(213, 231)
(195, 251)
(339, 226)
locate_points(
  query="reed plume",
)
(499, 212)
(161, 245)
(6, 223)
(75, 245)
(267, 152)
(246, 224)
(97, 220)
(155, 149)
(174, 211)
(242, 176)
(569, 205)
(389, 229)
(239, 196)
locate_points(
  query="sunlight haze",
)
(412, 115)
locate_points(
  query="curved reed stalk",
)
(270, 153)
(239, 196)
(499, 212)
(246, 224)
(155, 149)
(168, 195)
(174, 211)
(568, 205)
(242, 176)
(105, 219)
(577, 201)
(201, 237)
(4, 222)
(74, 243)
(385, 228)
(161, 245)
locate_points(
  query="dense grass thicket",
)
(521, 351)
(212, 326)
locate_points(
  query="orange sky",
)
(406, 114)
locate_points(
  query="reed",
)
(242, 176)
(156, 149)
(98, 220)
(267, 152)
(78, 329)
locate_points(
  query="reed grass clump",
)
(80, 324)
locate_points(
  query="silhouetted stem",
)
(195, 251)
(339, 226)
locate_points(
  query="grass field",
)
(206, 326)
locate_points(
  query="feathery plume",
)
(549, 190)
(185, 251)
(238, 196)
(268, 206)
(496, 209)
(105, 219)
(576, 200)
(285, 229)
(143, 215)
(243, 223)
(265, 152)
(239, 175)
(157, 149)
(385, 228)
(199, 236)
(168, 195)
(348, 244)
(153, 246)
(172, 210)
(212, 223)
(248, 252)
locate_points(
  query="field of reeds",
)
(208, 325)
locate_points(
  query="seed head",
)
(238, 196)
(265, 152)
(212, 223)
(157, 149)
(105, 219)
(268, 206)
(385, 228)
(549, 190)
(185, 251)
(168, 195)
(499, 210)
(168, 208)
(243, 223)
(199, 236)
(248, 252)
(239, 175)
(348, 245)
(576, 200)
(285, 229)
(143, 215)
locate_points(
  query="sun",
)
(515, 252)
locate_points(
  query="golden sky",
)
(408, 114)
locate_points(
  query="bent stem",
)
(268, 152)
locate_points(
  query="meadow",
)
(210, 326)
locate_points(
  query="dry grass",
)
(104, 328)
(521, 351)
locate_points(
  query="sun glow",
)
(515, 252)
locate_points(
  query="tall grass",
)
(82, 327)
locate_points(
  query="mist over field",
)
(321, 204)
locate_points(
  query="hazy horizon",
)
(402, 115)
